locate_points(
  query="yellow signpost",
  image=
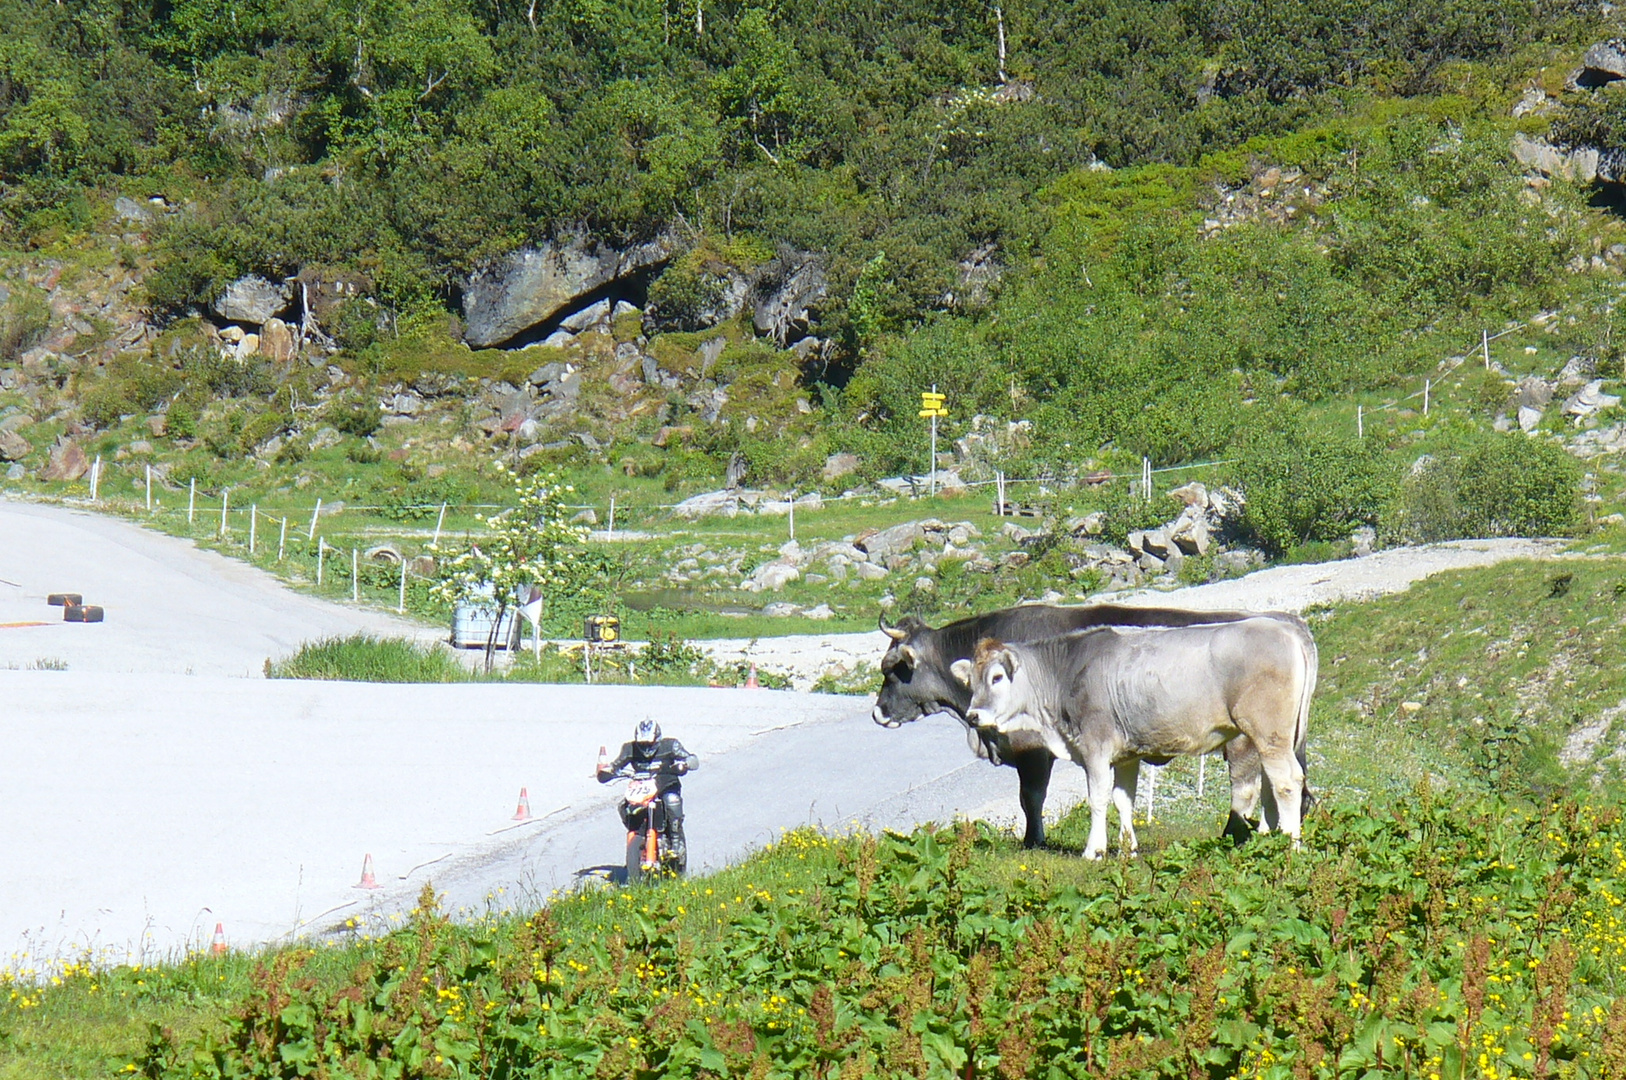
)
(932, 405)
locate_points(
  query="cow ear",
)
(962, 672)
(910, 656)
(1009, 659)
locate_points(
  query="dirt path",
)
(805, 657)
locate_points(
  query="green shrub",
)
(1497, 485)
(1304, 486)
(355, 415)
(364, 658)
(24, 319)
(181, 421)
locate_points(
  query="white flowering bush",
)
(529, 545)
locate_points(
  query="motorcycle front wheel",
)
(635, 857)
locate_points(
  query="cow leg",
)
(1242, 759)
(1125, 775)
(1033, 767)
(1100, 773)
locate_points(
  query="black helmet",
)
(648, 732)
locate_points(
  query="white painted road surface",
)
(157, 786)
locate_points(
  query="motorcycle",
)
(649, 850)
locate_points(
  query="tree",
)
(529, 545)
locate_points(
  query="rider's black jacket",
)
(666, 758)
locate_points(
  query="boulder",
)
(1577, 371)
(16, 472)
(528, 287)
(726, 503)
(127, 209)
(547, 373)
(1155, 542)
(68, 462)
(1589, 399)
(253, 299)
(787, 290)
(770, 577)
(820, 612)
(277, 341)
(231, 335)
(1601, 64)
(780, 507)
(869, 571)
(1532, 392)
(781, 609)
(1192, 494)
(1363, 541)
(897, 540)
(404, 404)
(13, 447)
(249, 346)
(593, 315)
(1191, 537)
(838, 465)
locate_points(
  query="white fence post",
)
(611, 533)
(95, 477)
(191, 499)
(355, 576)
(282, 539)
(316, 513)
(149, 489)
(225, 503)
(321, 557)
(253, 525)
(441, 520)
(400, 607)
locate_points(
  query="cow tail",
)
(1301, 731)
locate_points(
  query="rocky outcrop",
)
(527, 288)
(1601, 65)
(788, 290)
(253, 299)
(977, 275)
(1582, 164)
(13, 447)
(67, 463)
(277, 341)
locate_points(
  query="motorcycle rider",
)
(668, 760)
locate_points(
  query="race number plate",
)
(639, 791)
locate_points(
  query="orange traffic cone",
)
(603, 760)
(751, 679)
(523, 811)
(367, 880)
(219, 946)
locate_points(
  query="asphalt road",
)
(157, 786)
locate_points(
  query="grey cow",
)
(917, 680)
(1110, 697)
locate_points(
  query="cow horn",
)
(892, 631)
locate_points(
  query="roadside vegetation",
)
(1437, 933)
